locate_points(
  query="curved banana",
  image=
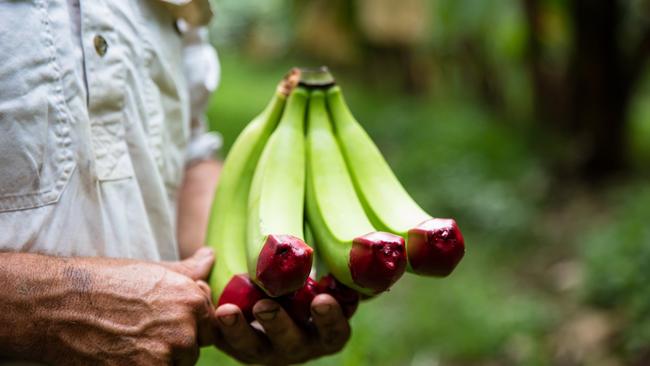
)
(434, 246)
(365, 260)
(227, 225)
(279, 261)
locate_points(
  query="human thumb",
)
(197, 267)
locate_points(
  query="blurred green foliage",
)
(618, 265)
(639, 131)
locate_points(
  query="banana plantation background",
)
(526, 120)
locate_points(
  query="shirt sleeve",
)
(202, 73)
(195, 12)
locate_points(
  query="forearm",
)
(45, 301)
(195, 200)
(30, 286)
(94, 310)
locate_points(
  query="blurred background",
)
(526, 120)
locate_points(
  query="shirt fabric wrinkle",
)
(93, 146)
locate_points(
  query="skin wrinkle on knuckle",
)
(171, 279)
(206, 293)
(185, 269)
(192, 299)
(206, 300)
(185, 338)
(199, 299)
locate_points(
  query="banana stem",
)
(289, 82)
(316, 77)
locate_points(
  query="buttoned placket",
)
(105, 81)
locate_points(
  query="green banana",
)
(226, 232)
(319, 268)
(365, 260)
(434, 246)
(279, 261)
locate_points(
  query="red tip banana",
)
(434, 246)
(227, 226)
(279, 261)
(363, 259)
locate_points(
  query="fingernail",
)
(322, 309)
(268, 314)
(204, 252)
(228, 320)
(206, 257)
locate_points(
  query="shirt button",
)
(101, 46)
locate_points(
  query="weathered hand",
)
(280, 341)
(122, 312)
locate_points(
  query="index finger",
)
(243, 341)
(285, 336)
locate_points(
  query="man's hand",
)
(98, 311)
(279, 341)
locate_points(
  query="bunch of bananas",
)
(304, 177)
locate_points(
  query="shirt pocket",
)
(36, 157)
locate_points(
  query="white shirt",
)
(99, 104)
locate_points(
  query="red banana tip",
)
(377, 260)
(298, 304)
(241, 291)
(435, 247)
(283, 264)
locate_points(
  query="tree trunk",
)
(599, 88)
(587, 106)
